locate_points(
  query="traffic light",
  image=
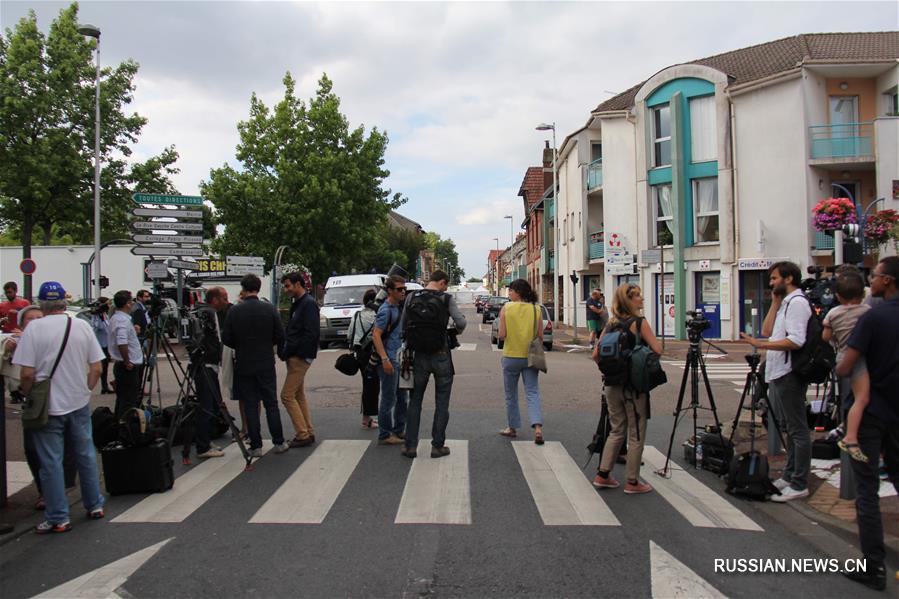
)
(104, 282)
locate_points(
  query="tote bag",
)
(536, 355)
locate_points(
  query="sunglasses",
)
(400, 289)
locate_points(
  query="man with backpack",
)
(424, 326)
(786, 326)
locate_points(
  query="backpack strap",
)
(65, 341)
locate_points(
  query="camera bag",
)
(825, 449)
(748, 477)
(146, 469)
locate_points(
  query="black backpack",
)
(426, 314)
(814, 361)
(748, 476)
(614, 352)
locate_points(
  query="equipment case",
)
(145, 469)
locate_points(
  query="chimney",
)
(547, 156)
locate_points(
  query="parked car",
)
(547, 330)
(491, 308)
(479, 302)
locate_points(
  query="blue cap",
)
(51, 291)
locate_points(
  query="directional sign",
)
(168, 200)
(156, 270)
(620, 259)
(239, 270)
(182, 265)
(249, 260)
(164, 212)
(153, 250)
(167, 238)
(164, 226)
(621, 269)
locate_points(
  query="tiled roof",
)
(764, 60)
(398, 220)
(532, 184)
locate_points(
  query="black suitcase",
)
(145, 469)
(825, 449)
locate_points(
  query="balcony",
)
(845, 143)
(597, 244)
(594, 175)
(823, 241)
(552, 262)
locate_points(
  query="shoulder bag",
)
(37, 403)
(536, 355)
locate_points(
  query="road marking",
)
(18, 476)
(437, 490)
(307, 495)
(673, 580)
(191, 490)
(467, 347)
(103, 582)
(329, 351)
(562, 494)
(700, 505)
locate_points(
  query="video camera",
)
(156, 306)
(200, 335)
(697, 324)
(96, 308)
(821, 292)
(396, 269)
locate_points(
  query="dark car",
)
(547, 330)
(492, 307)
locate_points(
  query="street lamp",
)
(552, 127)
(511, 234)
(94, 32)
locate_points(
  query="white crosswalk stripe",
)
(467, 347)
(438, 490)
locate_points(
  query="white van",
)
(343, 298)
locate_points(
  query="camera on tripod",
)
(697, 324)
(199, 333)
(821, 292)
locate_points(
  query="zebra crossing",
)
(730, 372)
(436, 491)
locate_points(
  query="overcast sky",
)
(458, 87)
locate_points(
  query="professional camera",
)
(200, 335)
(97, 308)
(821, 292)
(396, 269)
(156, 306)
(697, 324)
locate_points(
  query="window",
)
(705, 209)
(595, 152)
(663, 214)
(891, 103)
(703, 129)
(661, 133)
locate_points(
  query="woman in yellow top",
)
(519, 322)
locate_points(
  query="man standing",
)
(252, 328)
(206, 379)
(424, 326)
(139, 316)
(125, 351)
(596, 315)
(299, 351)
(785, 326)
(70, 345)
(386, 339)
(9, 308)
(876, 338)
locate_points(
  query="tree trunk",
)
(27, 232)
(48, 233)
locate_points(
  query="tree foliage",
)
(307, 181)
(445, 256)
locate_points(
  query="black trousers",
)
(127, 387)
(206, 381)
(874, 437)
(255, 388)
(104, 375)
(371, 390)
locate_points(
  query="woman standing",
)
(359, 337)
(520, 321)
(100, 324)
(628, 410)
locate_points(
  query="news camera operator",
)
(207, 351)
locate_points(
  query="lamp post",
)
(94, 32)
(552, 127)
(511, 228)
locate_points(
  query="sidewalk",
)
(823, 504)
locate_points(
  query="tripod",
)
(751, 390)
(157, 339)
(693, 369)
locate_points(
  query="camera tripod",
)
(751, 390)
(693, 369)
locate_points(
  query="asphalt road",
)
(350, 518)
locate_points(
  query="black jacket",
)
(303, 330)
(252, 327)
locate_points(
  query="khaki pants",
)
(623, 419)
(293, 396)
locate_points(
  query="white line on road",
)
(562, 494)
(437, 490)
(102, 582)
(467, 347)
(307, 496)
(191, 490)
(700, 505)
(496, 348)
(673, 580)
(18, 476)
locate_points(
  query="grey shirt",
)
(121, 332)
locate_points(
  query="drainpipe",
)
(734, 209)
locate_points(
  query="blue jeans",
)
(441, 366)
(49, 442)
(512, 369)
(394, 402)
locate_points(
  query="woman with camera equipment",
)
(360, 339)
(630, 420)
(520, 322)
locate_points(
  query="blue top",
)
(389, 315)
(101, 329)
(876, 337)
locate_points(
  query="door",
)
(708, 299)
(844, 125)
(755, 299)
(665, 309)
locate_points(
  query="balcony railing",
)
(823, 241)
(552, 263)
(846, 140)
(594, 174)
(597, 244)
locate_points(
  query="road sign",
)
(239, 270)
(249, 260)
(156, 270)
(168, 213)
(167, 238)
(620, 259)
(167, 200)
(653, 256)
(158, 250)
(167, 226)
(27, 266)
(621, 269)
(182, 265)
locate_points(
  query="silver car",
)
(547, 330)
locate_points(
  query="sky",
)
(458, 86)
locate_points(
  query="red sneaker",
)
(605, 482)
(46, 527)
(637, 488)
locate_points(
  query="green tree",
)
(445, 256)
(307, 181)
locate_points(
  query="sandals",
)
(538, 438)
(372, 423)
(508, 432)
(853, 450)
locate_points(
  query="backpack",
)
(814, 361)
(427, 315)
(614, 353)
(363, 350)
(104, 427)
(748, 476)
(645, 370)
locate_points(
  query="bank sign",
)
(758, 263)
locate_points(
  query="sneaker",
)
(605, 482)
(302, 442)
(257, 453)
(390, 440)
(781, 484)
(212, 452)
(46, 527)
(875, 579)
(789, 494)
(283, 447)
(439, 452)
(637, 488)
(96, 514)
(409, 452)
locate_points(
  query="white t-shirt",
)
(791, 322)
(38, 349)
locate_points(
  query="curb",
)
(26, 525)
(891, 543)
